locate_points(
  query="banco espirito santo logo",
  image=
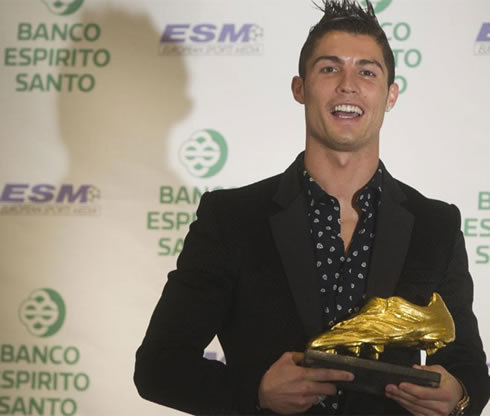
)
(63, 7)
(43, 312)
(379, 5)
(204, 154)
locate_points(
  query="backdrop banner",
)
(116, 116)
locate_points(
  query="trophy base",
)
(370, 376)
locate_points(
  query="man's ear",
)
(297, 87)
(392, 96)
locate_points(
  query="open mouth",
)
(347, 111)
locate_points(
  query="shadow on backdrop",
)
(116, 134)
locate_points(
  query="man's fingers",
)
(419, 401)
(297, 357)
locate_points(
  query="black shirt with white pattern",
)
(342, 276)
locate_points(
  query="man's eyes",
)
(363, 72)
(368, 73)
(328, 69)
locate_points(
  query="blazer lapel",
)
(290, 229)
(393, 231)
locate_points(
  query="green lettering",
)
(72, 32)
(81, 381)
(22, 354)
(165, 249)
(92, 27)
(86, 83)
(38, 405)
(60, 33)
(182, 195)
(179, 245)
(150, 220)
(481, 251)
(6, 353)
(41, 32)
(4, 407)
(196, 195)
(44, 379)
(106, 58)
(24, 31)
(402, 31)
(39, 55)
(68, 403)
(36, 83)
(166, 195)
(20, 78)
(22, 378)
(10, 56)
(7, 377)
(484, 200)
(402, 83)
(469, 226)
(413, 58)
(26, 57)
(62, 56)
(19, 406)
(52, 82)
(183, 218)
(71, 355)
(37, 354)
(485, 225)
(167, 219)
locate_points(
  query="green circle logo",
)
(379, 5)
(204, 154)
(43, 312)
(63, 7)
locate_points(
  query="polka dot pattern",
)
(342, 276)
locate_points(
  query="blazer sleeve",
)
(170, 368)
(464, 358)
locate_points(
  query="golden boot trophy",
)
(392, 322)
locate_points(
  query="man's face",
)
(345, 92)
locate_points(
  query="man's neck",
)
(341, 174)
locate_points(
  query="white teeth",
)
(346, 108)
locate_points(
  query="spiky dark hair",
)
(347, 16)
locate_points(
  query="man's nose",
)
(348, 83)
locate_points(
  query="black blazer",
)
(246, 273)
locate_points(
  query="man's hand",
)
(288, 388)
(428, 401)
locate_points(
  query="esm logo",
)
(43, 193)
(482, 45)
(212, 39)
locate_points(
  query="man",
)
(271, 265)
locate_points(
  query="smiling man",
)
(271, 265)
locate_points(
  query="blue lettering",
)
(66, 192)
(11, 192)
(174, 33)
(203, 33)
(42, 193)
(228, 31)
(484, 35)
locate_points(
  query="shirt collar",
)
(313, 190)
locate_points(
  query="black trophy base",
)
(370, 376)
